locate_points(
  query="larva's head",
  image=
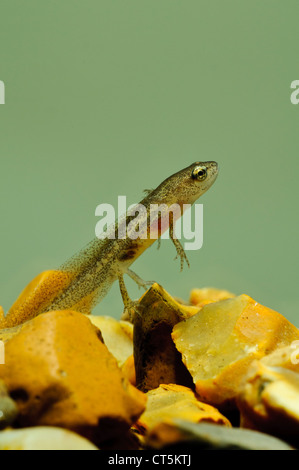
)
(187, 185)
(203, 175)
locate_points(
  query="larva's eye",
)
(199, 173)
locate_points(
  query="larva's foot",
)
(131, 310)
(180, 253)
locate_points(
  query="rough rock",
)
(128, 369)
(169, 402)
(207, 295)
(219, 343)
(43, 438)
(8, 408)
(61, 374)
(286, 357)
(117, 335)
(205, 436)
(157, 360)
(269, 401)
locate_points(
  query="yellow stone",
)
(219, 343)
(169, 402)
(128, 369)
(269, 401)
(8, 408)
(208, 436)
(61, 374)
(43, 438)
(286, 357)
(207, 295)
(117, 335)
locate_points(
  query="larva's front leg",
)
(179, 249)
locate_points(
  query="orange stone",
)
(117, 335)
(207, 295)
(61, 374)
(171, 402)
(128, 369)
(269, 400)
(286, 357)
(43, 438)
(219, 343)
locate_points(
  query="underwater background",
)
(108, 98)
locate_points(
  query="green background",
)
(107, 98)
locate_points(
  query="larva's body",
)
(98, 266)
(85, 279)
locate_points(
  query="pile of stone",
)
(219, 372)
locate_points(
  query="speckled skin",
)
(102, 262)
(86, 278)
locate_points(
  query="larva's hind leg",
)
(131, 307)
